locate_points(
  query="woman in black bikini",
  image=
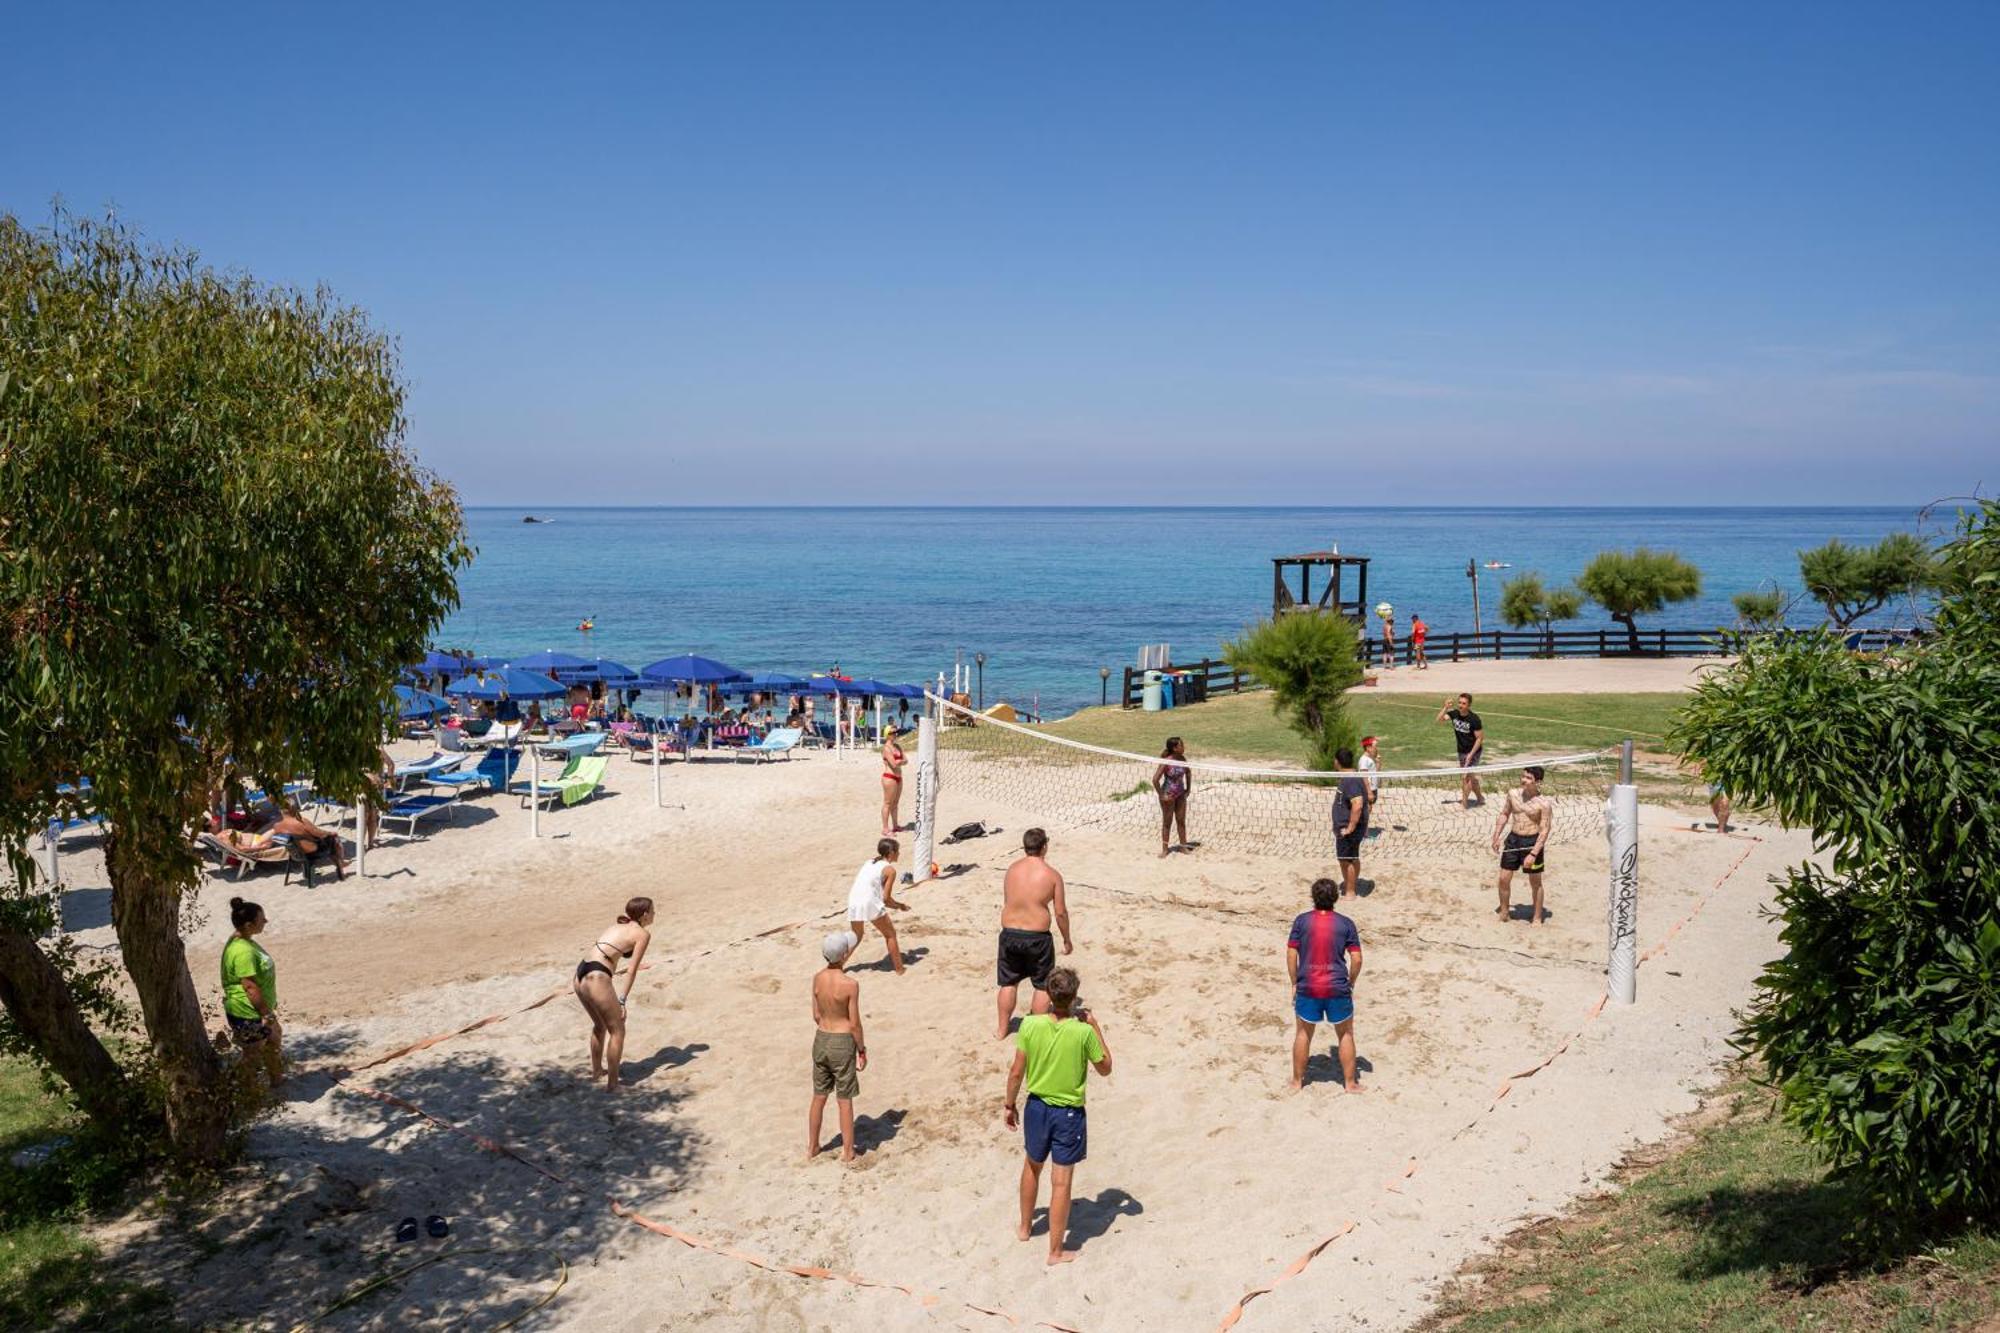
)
(596, 993)
(1172, 782)
(893, 760)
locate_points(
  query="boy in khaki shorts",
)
(839, 1048)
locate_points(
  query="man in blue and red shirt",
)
(1323, 958)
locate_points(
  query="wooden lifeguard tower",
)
(1284, 602)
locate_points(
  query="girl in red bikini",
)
(892, 782)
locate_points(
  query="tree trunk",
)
(1631, 632)
(145, 911)
(39, 1001)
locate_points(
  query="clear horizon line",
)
(1913, 507)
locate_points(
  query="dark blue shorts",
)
(1323, 1011)
(1060, 1132)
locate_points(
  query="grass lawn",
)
(49, 1274)
(1734, 1228)
(1517, 725)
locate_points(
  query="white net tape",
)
(1066, 783)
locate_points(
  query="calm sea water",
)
(1049, 595)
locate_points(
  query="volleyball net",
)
(1065, 783)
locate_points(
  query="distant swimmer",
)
(872, 894)
(1470, 734)
(839, 1047)
(626, 939)
(1526, 818)
(1033, 893)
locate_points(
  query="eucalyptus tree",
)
(215, 554)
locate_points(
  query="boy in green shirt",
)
(1054, 1053)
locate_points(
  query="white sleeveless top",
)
(864, 897)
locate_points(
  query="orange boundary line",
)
(1235, 1312)
(927, 1300)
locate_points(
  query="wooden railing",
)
(1488, 645)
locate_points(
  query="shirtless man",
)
(839, 1048)
(311, 840)
(1526, 817)
(1034, 892)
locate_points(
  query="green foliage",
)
(1760, 610)
(1638, 582)
(1524, 601)
(1881, 1024)
(212, 544)
(1852, 581)
(1308, 662)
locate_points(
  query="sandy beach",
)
(1204, 1180)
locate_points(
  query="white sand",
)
(1203, 1178)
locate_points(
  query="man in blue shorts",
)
(1054, 1052)
(1323, 958)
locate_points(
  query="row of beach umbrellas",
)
(549, 675)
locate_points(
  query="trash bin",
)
(1193, 688)
(1149, 693)
(1166, 690)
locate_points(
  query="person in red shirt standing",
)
(1323, 959)
(1419, 631)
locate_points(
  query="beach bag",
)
(966, 832)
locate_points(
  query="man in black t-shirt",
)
(1470, 733)
(1350, 821)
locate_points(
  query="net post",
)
(534, 791)
(1621, 831)
(927, 786)
(361, 836)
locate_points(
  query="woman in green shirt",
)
(250, 990)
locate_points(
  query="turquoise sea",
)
(1049, 595)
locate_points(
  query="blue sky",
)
(1330, 253)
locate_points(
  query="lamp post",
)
(979, 659)
(1104, 686)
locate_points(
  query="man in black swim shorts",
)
(1034, 897)
(1527, 817)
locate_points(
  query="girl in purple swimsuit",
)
(1173, 781)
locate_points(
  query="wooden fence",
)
(1208, 677)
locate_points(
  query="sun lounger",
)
(419, 769)
(578, 782)
(572, 746)
(492, 772)
(413, 810)
(781, 741)
(504, 734)
(247, 859)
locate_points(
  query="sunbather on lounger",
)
(311, 840)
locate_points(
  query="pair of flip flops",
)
(434, 1226)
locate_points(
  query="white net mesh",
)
(1064, 783)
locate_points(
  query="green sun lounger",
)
(583, 776)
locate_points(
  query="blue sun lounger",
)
(779, 741)
(413, 810)
(493, 772)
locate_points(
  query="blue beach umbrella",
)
(551, 663)
(411, 703)
(436, 663)
(768, 682)
(687, 669)
(610, 674)
(507, 682)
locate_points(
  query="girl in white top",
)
(872, 894)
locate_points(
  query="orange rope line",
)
(927, 1300)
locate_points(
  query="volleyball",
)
(1384, 610)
